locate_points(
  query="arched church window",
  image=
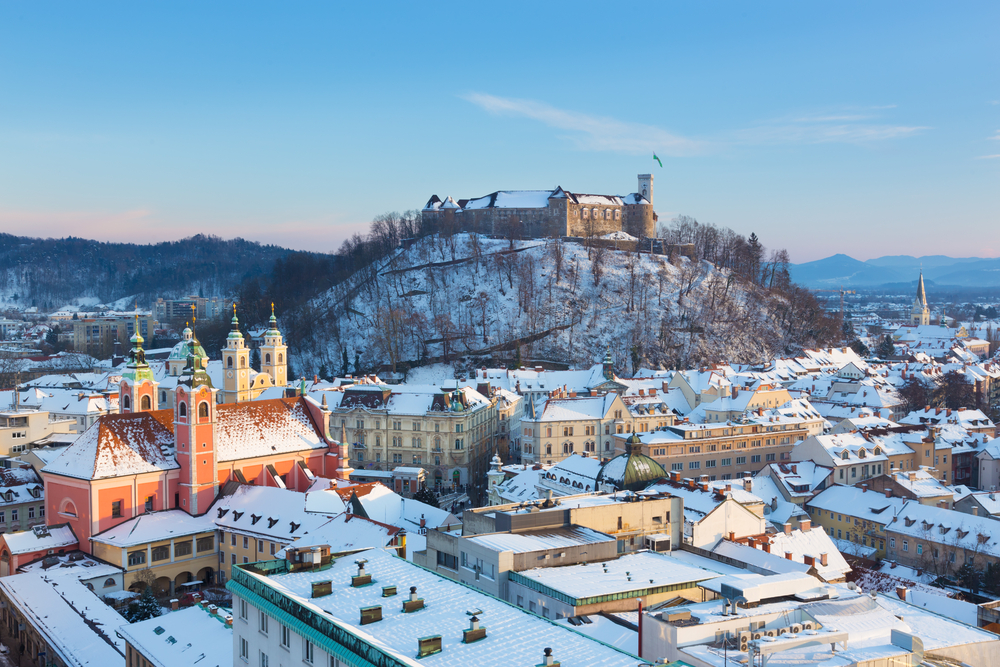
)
(267, 358)
(144, 403)
(229, 362)
(203, 409)
(243, 362)
(279, 358)
(182, 409)
(126, 403)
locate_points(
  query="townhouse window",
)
(307, 651)
(286, 637)
(149, 503)
(677, 466)
(840, 535)
(607, 429)
(694, 465)
(416, 426)
(31, 512)
(244, 650)
(232, 559)
(263, 660)
(206, 543)
(3, 517)
(233, 538)
(161, 552)
(136, 557)
(854, 472)
(740, 460)
(272, 548)
(951, 557)
(727, 462)
(260, 546)
(710, 463)
(694, 450)
(755, 458)
(245, 560)
(262, 622)
(246, 542)
(116, 509)
(906, 545)
(548, 432)
(461, 445)
(769, 457)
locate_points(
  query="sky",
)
(864, 128)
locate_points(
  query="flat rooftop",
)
(540, 540)
(515, 634)
(633, 573)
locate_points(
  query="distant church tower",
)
(137, 391)
(274, 354)
(920, 314)
(236, 366)
(646, 187)
(194, 434)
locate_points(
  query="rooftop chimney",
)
(414, 603)
(788, 528)
(788, 554)
(748, 484)
(750, 542)
(474, 633)
(901, 592)
(805, 525)
(767, 546)
(864, 488)
(808, 560)
(642, 392)
(547, 658)
(175, 604)
(888, 493)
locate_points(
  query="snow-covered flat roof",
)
(634, 572)
(513, 636)
(539, 540)
(189, 636)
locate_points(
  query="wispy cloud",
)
(596, 133)
(988, 157)
(603, 133)
(996, 137)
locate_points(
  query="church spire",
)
(921, 293)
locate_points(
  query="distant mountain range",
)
(939, 271)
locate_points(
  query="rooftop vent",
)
(428, 646)
(371, 614)
(474, 633)
(414, 603)
(322, 588)
(388, 591)
(361, 578)
(547, 659)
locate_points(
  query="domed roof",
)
(631, 471)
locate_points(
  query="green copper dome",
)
(631, 471)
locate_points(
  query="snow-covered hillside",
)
(470, 295)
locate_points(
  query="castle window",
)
(586, 213)
(145, 403)
(618, 215)
(203, 409)
(267, 358)
(182, 409)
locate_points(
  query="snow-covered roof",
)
(976, 534)
(347, 533)
(852, 501)
(264, 428)
(630, 573)
(266, 511)
(512, 199)
(120, 444)
(40, 538)
(539, 540)
(811, 543)
(154, 526)
(69, 617)
(190, 636)
(515, 633)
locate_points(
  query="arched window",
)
(163, 397)
(109, 582)
(182, 409)
(126, 403)
(267, 358)
(243, 362)
(67, 508)
(145, 403)
(203, 410)
(229, 362)
(279, 358)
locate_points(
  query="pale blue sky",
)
(864, 128)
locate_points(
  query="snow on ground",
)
(619, 236)
(469, 295)
(433, 374)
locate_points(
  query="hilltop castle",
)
(543, 213)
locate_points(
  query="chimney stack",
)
(901, 593)
(788, 528)
(175, 604)
(823, 558)
(805, 525)
(788, 554)
(888, 493)
(808, 560)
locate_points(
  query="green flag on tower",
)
(657, 159)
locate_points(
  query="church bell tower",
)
(235, 366)
(274, 353)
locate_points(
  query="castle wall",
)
(593, 220)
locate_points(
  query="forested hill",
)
(49, 273)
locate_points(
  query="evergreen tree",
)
(144, 608)
(357, 362)
(517, 356)
(636, 359)
(426, 496)
(323, 372)
(860, 348)
(991, 578)
(955, 391)
(969, 577)
(886, 349)
(344, 369)
(255, 358)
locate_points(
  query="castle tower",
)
(236, 366)
(920, 313)
(274, 353)
(646, 187)
(137, 391)
(194, 437)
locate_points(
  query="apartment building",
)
(726, 450)
(856, 515)
(449, 432)
(941, 540)
(20, 428)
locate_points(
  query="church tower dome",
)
(274, 353)
(235, 365)
(137, 391)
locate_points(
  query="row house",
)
(855, 515)
(567, 423)
(448, 432)
(940, 540)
